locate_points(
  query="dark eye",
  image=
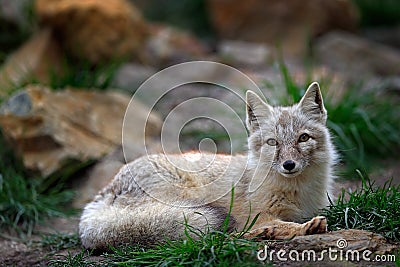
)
(304, 137)
(272, 142)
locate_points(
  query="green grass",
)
(210, 249)
(80, 259)
(24, 201)
(370, 208)
(84, 75)
(59, 241)
(364, 125)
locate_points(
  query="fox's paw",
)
(317, 225)
(260, 233)
(279, 231)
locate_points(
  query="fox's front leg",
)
(277, 229)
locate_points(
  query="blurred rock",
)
(244, 53)
(37, 60)
(290, 22)
(48, 129)
(95, 30)
(130, 76)
(167, 46)
(386, 35)
(357, 57)
(15, 12)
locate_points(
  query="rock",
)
(15, 12)
(167, 46)
(37, 59)
(387, 35)
(244, 53)
(50, 129)
(344, 240)
(357, 57)
(290, 22)
(130, 76)
(95, 30)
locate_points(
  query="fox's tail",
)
(105, 223)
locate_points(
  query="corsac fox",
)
(285, 179)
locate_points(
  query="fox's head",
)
(288, 139)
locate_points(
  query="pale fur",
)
(132, 209)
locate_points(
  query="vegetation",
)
(80, 259)
(84, 75)
(24, 201)
(370, 208)
(59, 241)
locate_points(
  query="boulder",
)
(38, 59)
(50, 129)
(290, 22)
(14, 12)
(357, 57)
(167, 45)
(130, 76)
(344, 246)
(95, 30)
(240, 53)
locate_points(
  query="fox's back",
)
(172, 178)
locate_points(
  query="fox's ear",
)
(256, 110)
(312, 103)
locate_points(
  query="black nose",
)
(289, 165)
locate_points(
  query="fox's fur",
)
(285, 178)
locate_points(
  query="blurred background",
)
(68, 69)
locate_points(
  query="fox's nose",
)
(289, 165)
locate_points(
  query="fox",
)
(283, 180)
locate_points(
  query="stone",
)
(49, 129)
(95, 30)
(130, 76)
(167, 45)
(244, 53)
(37, 59)
(357, 57)
(15, 13)
(291, 23)
(387, 35)
(343, 240)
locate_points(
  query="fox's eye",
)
(304, 137)
(272, 142)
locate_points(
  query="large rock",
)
(167, 45)
(49, 129)
(14, 12)
(338, 248)
(357, 57)
(95, 30)
(290, 22)
(130, 76)
(38, 59)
